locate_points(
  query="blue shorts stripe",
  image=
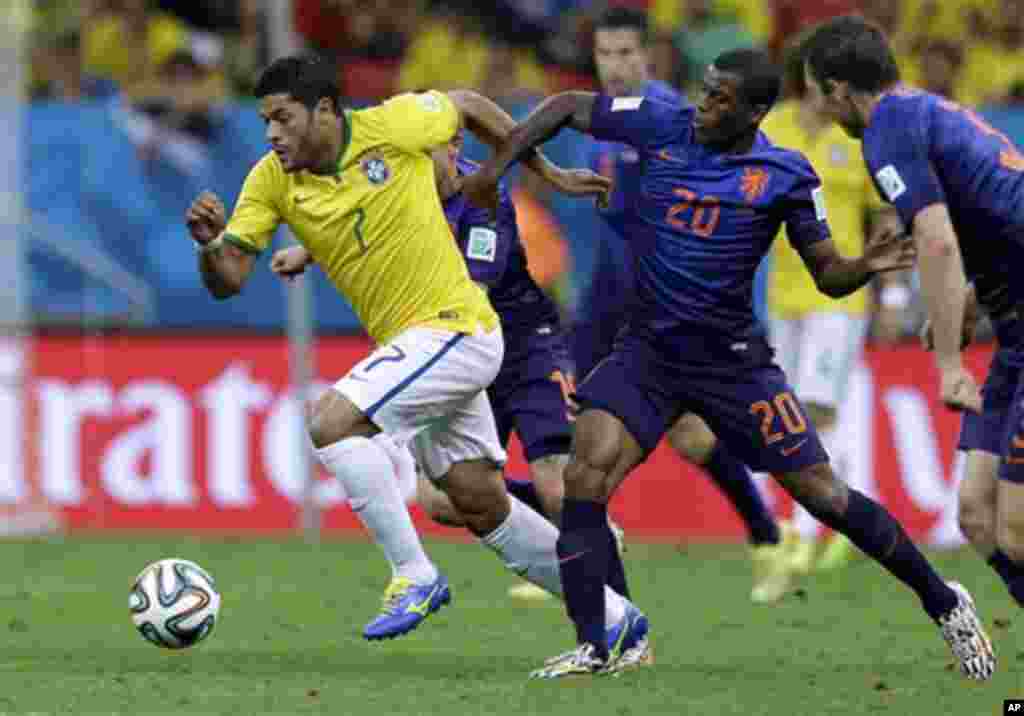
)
(415, 374)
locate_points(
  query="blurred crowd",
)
(171, 64)
(190, 54)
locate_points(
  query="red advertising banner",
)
(198, 433)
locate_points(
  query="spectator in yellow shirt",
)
(130, 44)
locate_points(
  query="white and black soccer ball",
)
(174, 603)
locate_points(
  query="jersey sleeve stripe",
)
(242, 244)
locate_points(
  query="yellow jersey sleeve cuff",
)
(242, 244)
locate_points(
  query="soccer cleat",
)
(528, 592)
(801, 552)
(963, 631)
(773, 571)
(633, 658)
(628, 633)
(581, 661)
(838, 553)
(628, 636)
(406, 604)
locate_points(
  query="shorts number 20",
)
(783, 405)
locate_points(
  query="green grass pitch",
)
(288, 638)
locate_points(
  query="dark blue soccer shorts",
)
(529, 396)
(605, 308)
(999, 427)
(744, 398)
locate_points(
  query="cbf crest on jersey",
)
(375, 168)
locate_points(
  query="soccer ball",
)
(174, 603)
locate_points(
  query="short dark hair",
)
(761, 80)
(624, 18)
(307, 78)
(851, 49)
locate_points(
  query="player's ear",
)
(325, 106)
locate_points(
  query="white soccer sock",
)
(403, 463)
(525, 541)
(365, 471)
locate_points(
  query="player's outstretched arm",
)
(224, 267)
(493, 125)
(572, 109)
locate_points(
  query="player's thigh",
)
(539, 410)
(755, 413)
(462, 455)
(604, 453)
(1010, 526)
(978, 497)
(624, 414)
(416, 380)
(830, 345)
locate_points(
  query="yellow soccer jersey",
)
(376, 227)
(848, 195)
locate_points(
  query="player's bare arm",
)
(493, 125)
(836, 275)
(572, 109)
(223, 267)
(944, 288)
(971, 316)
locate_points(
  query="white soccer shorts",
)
(818, 352)
(427, 388)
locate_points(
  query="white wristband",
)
(209, 246)
(895, 296)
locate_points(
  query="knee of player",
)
(818, 489)
(692, 439)
(1010, 538)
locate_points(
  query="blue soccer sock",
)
(616, 570)
(878, 534)
(732, 477)
(1012, 574)
(583, 563)
(525, 492)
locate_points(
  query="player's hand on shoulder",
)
(889, 249)
(206, 217)
(960, 391)
(290, 262)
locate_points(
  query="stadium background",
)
(134, 400)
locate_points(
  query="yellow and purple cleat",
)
(773, 566)
(406, 605)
